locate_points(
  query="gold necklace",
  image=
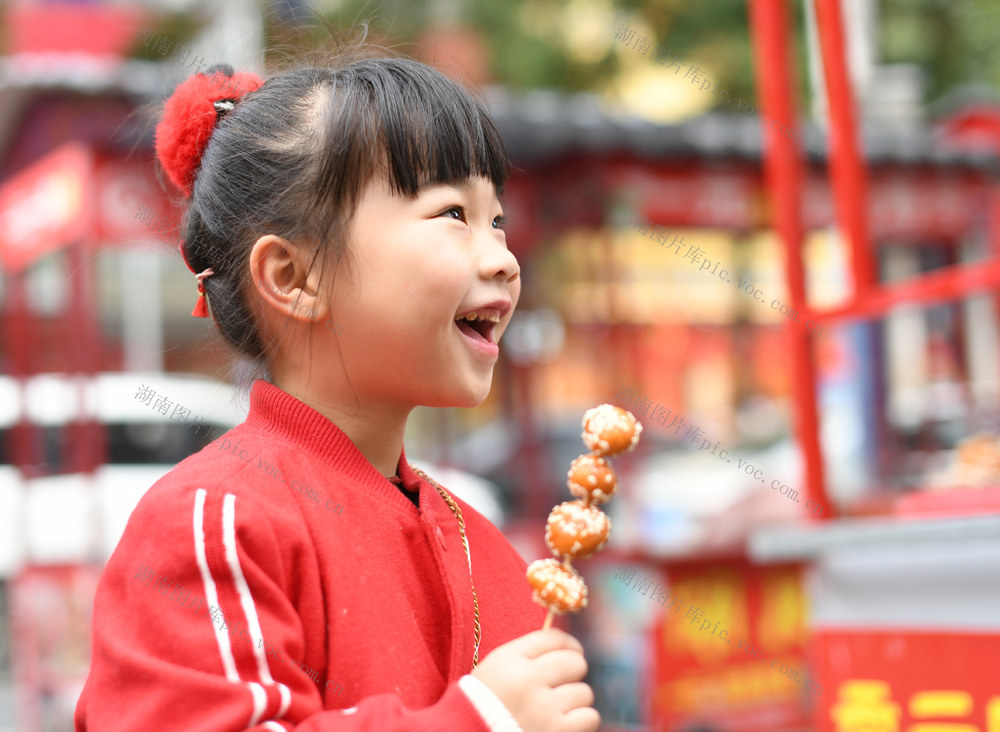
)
(465, 543)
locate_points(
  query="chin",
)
(475, 400)
(473, 395)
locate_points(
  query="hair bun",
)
(189, 116)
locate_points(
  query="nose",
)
(495, 259)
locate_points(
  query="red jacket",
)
(276, 581)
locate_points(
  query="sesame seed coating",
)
(557, 587)
(592, 479)
(575, 530)
(609, 430)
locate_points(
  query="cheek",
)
(446, 276)
(515, 291)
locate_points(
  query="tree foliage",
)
(528, 41)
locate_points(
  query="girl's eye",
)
(458, 213)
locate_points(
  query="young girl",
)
(298, 573)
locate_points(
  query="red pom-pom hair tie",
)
(189, 116)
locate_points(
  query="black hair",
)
(293, 158)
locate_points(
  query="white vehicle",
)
(75, 517)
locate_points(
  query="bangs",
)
(409, 122)
(434, 132)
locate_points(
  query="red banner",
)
(89, 28)
(132, 204)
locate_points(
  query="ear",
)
(284, 284)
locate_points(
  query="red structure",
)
(869, 653)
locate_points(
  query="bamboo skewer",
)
(548, 620)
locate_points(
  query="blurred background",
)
(819, 475)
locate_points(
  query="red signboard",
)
(729, 651)
(44, 207)
(907, 681)
(902, 203)
(725, 198)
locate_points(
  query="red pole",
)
(784, 175)
(993, 227)
(849, 179)
(847, 169)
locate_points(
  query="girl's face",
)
(418, 270)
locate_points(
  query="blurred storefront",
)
(698, 331)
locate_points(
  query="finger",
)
(567, 697)
(585, 719)
(539, 642)
(559, 667)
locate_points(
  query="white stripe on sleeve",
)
(211, 594)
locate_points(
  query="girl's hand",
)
(539, 678)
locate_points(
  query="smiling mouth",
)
(478, 326)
